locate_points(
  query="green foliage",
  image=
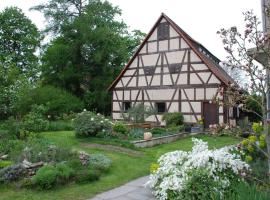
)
(87, 175)
(60, 125)
(8, 145)
(173, 119)
(120, 127)
(5, 163)
(64, 172)
(100, 162)
(90, 124)
(139, 112)
(136, 133)
(56, 100)
(46, 177)
(35, 120)
(158, 131)
(257, 128)
(253, 103)
(19, 40)
(89, 48)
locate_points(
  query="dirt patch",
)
(113, 148)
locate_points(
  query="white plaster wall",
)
(174, 107)
(126, 95)
(134, 63)
(173, 33)
(150, 60)
(156, 80)
(119, 94)
(204, 76)
(220, 109)
(134, 94)
(142, 81)
(194, 79)
(116, 106)
(175, 57)
(199, 66)
(182, 79)
(143, 50)
(163, 45)
(199, 93)
(141, 71)
(184, 68)
(167, 79)
(184, 44)
(196, 106)
(153, 36)
(163, 94)
(132, 83)
(185, 107)
(190, 118)
(125, 80)
(129, 72)
(213, 79)
(116, 115)
(210, 93)
(174, 44)
(190, 93)
(194, 57)
(152, 47)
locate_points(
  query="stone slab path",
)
(134, 190)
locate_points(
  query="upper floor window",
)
(163, 32)
(174, 68)
(149, 71)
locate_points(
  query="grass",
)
(124, 168)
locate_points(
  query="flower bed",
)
(198, 174)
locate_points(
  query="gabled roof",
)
(206, 56)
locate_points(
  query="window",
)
(163, 31)
(175, 68)
(126, 105)
(149, 70)
(161, 107)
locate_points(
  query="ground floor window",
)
(161, 107)
(126, 105)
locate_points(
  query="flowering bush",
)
(181, 175)
(90, 124)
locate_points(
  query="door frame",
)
(217, 113)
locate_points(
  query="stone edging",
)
(162, 140)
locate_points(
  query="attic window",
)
(149, 71)
(175, 68)
(163, 32)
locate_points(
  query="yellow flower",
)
(248, 158)
(250, 148)
(245, 142)
(252, 138)
(154, 167)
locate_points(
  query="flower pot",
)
(147, 136)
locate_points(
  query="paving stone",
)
(134, 190)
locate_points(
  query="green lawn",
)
(124, 168)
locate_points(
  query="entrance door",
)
(210, 114)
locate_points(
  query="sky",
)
(201, 19)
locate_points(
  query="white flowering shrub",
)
(88, 123)
(198, 174)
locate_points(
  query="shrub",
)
(136, 133)
(87, 175)
(173, 119)
(158, 131)
(7, 146)
(64, 172)
(35, 121)
(90, 124)
(59, 125)
(5, 163)
(181, 175)
(12, 173)
(46, 177)
(176, 129)
(120, 127)
(139, 113)
(100, 162)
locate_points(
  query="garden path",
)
(117, 149)
(134, 190)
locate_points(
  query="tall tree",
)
(20, 39)
(88, 50)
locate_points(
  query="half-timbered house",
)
(172, 72)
